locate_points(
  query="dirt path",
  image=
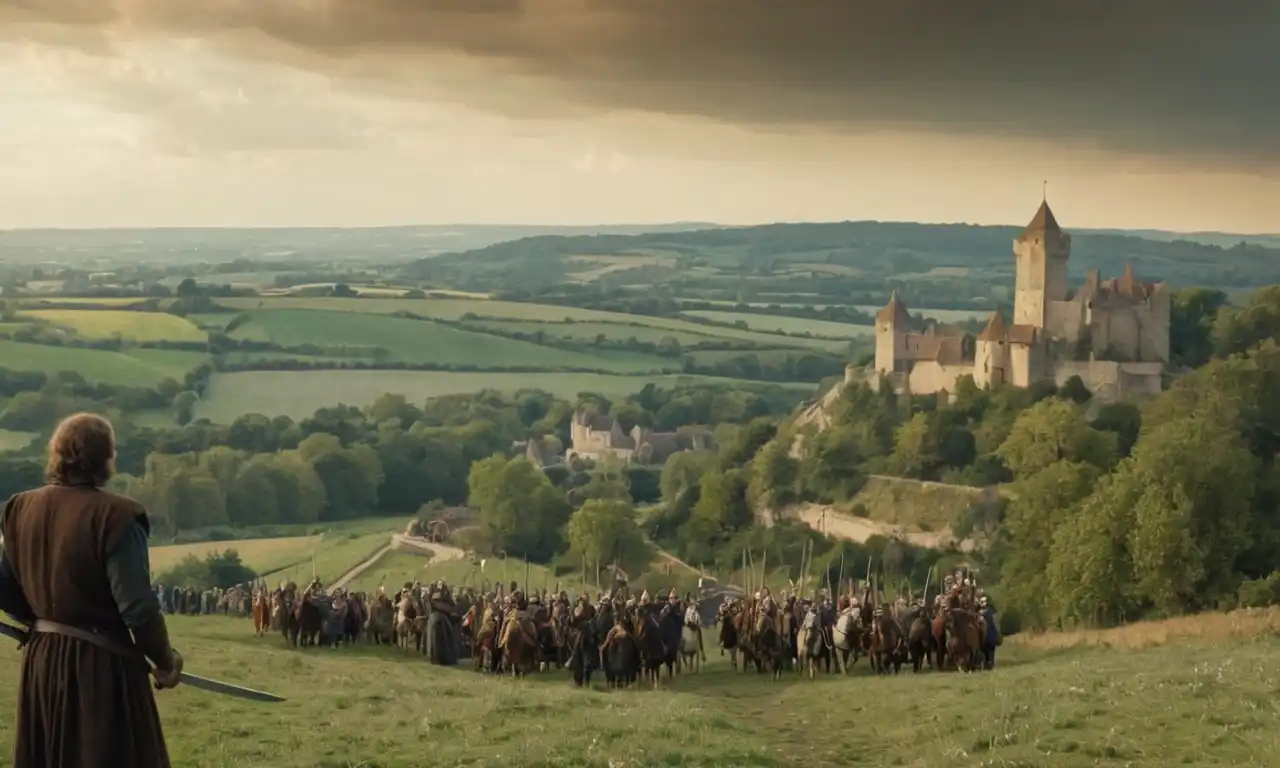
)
(439, 552)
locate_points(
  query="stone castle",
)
(1113, 334)
(596, 436)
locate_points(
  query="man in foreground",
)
(75, 567)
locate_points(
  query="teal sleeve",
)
(129, 571)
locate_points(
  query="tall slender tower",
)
(1040, 259)
(892, 324)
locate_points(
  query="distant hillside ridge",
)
(915, 247)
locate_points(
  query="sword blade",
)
(195, 681)
(227, 689)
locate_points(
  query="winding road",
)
(439, 553)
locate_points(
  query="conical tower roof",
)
(894, 312)
(996, 329)
(1043, 223)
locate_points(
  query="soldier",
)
(992, 638)
(84, 699)
(644, 598)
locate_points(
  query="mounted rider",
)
(768, 610)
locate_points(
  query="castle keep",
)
(1113, 334)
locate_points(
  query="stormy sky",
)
(1139, 113)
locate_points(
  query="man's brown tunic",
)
(81, 705)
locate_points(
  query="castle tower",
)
(892, 324)
(1040, 259)
(991, 354)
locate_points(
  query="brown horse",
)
(888, 645)
(261, 613)
(963, 639)
(519, 646)
(939, 627)
(648, 637)
(725, 617)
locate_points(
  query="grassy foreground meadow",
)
(1199, 698)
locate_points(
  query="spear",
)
(840, 581)
(928, 577)
(764, 566)
(526, 571)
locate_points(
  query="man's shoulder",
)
(124, 504)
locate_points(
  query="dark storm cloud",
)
(1185, 77)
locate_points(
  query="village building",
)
(595, 436)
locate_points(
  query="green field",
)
(136, 367)
(14, 441)
(455, 309)
(299, 393)
(396, 568)
(107, 301)
(336, 548)
(941, 315)
(216, 321)
(134, 326)
(797, 325)
(418, 341)
(589, 332)
(1202, 700)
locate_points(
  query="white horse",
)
(691, 640)
(846, 637)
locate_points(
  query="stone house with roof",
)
(595, 436)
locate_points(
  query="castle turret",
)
(1040, 259)
(892, 324)
(991, 354)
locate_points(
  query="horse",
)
(671, 626)
(620, 655)
(768, 647)
(519, 645)
(812, 646)
(407, 613)
(726, 616)
(919, 639)
(648, 637)
(939, 633)
(379, 625)
(847, 635)
(691, 640)
(310, 622)
(261, 613)
(887, 644)
(583, 645)
(964, 639)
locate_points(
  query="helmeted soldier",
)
(644, 597)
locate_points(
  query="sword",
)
(195, 681)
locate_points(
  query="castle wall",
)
(928, 376)
(1111, 381)
(1065, 320)
(1020, 365)
(990, 364)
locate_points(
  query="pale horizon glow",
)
(170, 133)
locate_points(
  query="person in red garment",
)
(75, 569)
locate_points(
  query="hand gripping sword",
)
(195, 681)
